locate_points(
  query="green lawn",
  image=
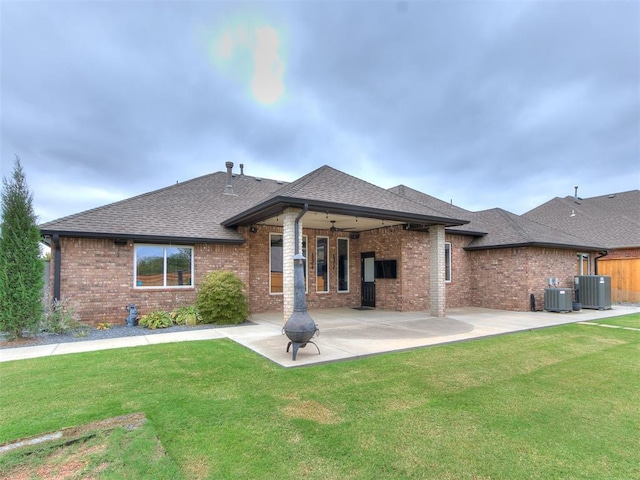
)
(554, 403)
(631, 321)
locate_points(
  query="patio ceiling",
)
(325, 221)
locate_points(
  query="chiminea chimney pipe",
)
(228, 190)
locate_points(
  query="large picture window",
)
(343, 264)
(158, 266)
(447, 262)
(322, 270)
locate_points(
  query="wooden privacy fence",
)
(625, 278)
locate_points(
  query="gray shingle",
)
(610, 220)
(193, 209)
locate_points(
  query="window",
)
(583, 264)
(163, 266)
(447, 262)
(276, 269)
(275, 263)
(343, 264)
(322, 272)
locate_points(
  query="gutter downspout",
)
(57, 257)
(296, 237)
(604, 253)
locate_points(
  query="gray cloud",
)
(486, 103)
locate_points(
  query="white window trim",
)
(306, 242)
(448, 270)
(270, 292)
(581, 258)
(164, 267)
(348, 265)
(328, 290)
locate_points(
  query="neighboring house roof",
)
(497, 228)
(187, 211)
(611, 220)
(506, 229)
(329, 190)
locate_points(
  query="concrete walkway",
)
(344, 333)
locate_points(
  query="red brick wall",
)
(459, 289)
(97, 278)
(623, 253)
(505, 278)
(97, 275)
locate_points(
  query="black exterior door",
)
(368, 286)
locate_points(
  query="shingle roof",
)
(498, 228)
(611, 220)
(329, 189)
(506, 229)
(447, 209)
(189, 210)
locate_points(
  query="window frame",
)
(164, 286)
(448, 268)
(326, 261)
(305, 247)
(338, 265)
(271, 235)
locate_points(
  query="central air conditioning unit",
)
(558, 299)
(593, 291)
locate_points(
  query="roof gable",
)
(330, 190)
(611, 220)
(506, 229)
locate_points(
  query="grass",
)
(630, 321)
(118, 452)
(560, 402)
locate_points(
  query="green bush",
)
(158, 319)
(186, 316)
(222, 300)
(59, 318)
(21, 267)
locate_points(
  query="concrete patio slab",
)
(345, 333)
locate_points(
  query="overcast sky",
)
(486, 103)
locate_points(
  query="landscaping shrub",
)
(158, 319)
(59, 318)
(21, 267)
(186, 316)
(222, 299)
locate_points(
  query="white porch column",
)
(437, 270)
(288, 251)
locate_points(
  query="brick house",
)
(396, 249)
(611, 220)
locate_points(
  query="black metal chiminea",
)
(300, 327)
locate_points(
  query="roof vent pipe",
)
(575, 195)
(228, 190)
(242, 169)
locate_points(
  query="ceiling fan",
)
(334, 229)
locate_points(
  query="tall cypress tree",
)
(21, 268)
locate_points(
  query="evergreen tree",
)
(21, 268)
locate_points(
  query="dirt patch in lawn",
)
(76, 452)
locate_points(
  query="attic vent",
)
(613, 195)
(258, 179)
(280, 182)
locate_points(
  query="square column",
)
(288, 251)
(437, 270)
